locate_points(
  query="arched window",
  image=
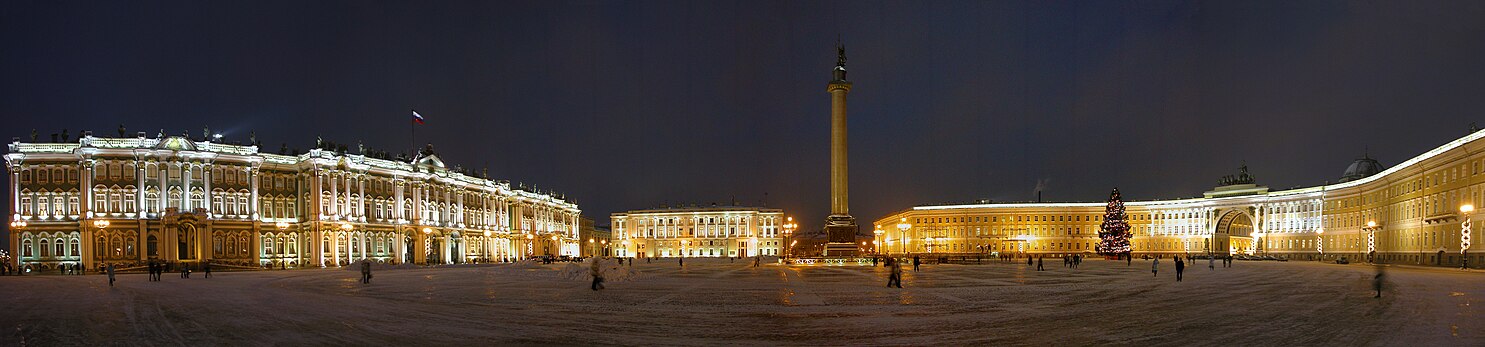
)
(268, 245)
(216, 244)
(100, 244)
(115, 246)
(26, 249)
(76, 249)
(44, 248)
(129, 247)
(242, 242)
(231, 245)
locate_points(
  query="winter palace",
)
(132, 200)
(718, 231)
(1412, 213)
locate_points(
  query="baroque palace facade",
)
(1410, 213)
(727, 231)
(133, 200)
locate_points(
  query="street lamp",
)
(1465, 211)
(789, 228)
(1371, 240)
(878, 231)
(345, 226)
(902, 228)
(1320, 242)
(100, 224)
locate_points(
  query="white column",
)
(361, 200)
(334, 196)
(86, 200)
(164, 194)
(139, 190)
(253, 205)
(397, 188)
(15, 194)
(206, 192)
(185, 187)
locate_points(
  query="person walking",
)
(916, 262)
(1029, 260)
(1212, 263)
(1155, 268)
(110, 275)
(206, 267)
(1039, 262)
(757, 258)
(597, 271)
(894, 279)
(1180, 268)
(365, 272)
(1377, 281)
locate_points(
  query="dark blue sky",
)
(625, 105)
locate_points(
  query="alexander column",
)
(840, 227)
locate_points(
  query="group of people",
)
(1072, 261)
(1180, 267)
(74, 269)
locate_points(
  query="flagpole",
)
(413, 140)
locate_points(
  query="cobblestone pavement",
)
(715, 302)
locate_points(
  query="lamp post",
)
(102, 224)
(427, 232)
(282, 227)
(902, 228)
(1320, 242)
(1465, 212)
(16, 225)
(789, 228)
(1371, 240)
(604, 244)
(875, 241)
(593, 245)
(347, 228)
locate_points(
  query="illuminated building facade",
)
(1409, 213)
(698, 232)
(132, 200)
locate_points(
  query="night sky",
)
(628, 105)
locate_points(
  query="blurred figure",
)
(1378, 279)
(597, 272)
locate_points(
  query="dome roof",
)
(1366, 166)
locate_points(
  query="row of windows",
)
(44, 175)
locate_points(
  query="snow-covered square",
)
(725, 302)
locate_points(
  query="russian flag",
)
(417, 118)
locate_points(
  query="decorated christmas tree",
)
(1114, 233)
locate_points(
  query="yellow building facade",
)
(726, 231)
(1410, 213)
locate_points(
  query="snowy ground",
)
(715, 302)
